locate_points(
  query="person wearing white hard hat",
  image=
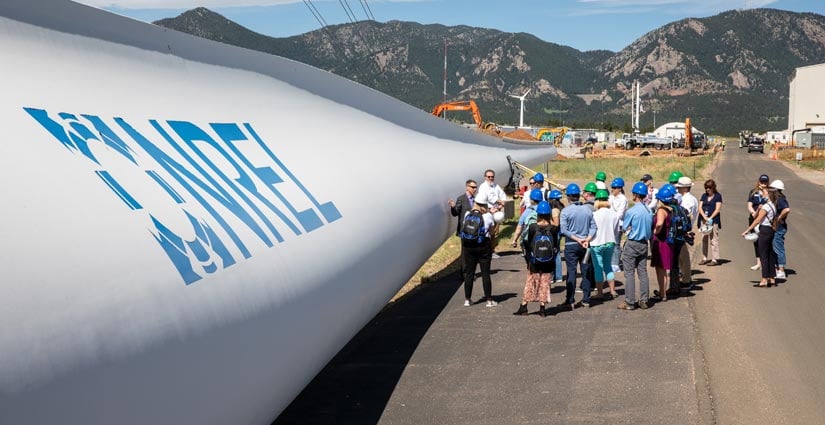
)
(765, 215)
(691, 204)
(780, 227)
(477, 249)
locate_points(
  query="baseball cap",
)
(646, 177)
(764, 178)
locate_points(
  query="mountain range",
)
(727, 72)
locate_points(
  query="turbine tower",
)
(521, 111)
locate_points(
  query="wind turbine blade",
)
(528, 91)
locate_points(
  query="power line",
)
(350, 10)
(320, 18)
(341, 2)
(367, 9)
(316, 13)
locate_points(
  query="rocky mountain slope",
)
(728, 72)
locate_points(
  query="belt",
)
(638, 240)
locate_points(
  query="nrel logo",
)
(220, 191)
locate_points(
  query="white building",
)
(807, 98)
(675, 130)
(782, 137)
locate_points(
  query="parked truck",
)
(633, 140)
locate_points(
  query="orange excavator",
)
(464, 105)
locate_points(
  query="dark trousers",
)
(477, 255)
(674, 282)
(573, 256)
(766, 255)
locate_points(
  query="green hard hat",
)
(602, 195)
(590, 187)
(674, 177)
(601, 176)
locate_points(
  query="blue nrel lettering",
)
(223, 206)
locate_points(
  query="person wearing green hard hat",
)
(589, 193)
(673, 180)
(674, 177)
(603, 244)
(601, 176)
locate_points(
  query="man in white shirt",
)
(691, 204)
(650, 200)
(495, 200)
(618, 203)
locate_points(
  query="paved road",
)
(726, 353)
(428, 359)
(764, 347)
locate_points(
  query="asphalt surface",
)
(764, 347)
(724, 353)
(429, 360)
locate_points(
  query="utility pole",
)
(444, 94)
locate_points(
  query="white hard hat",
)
(752, 236)
(684, 181)
(706, 228)
(481, 198)
(498, 217)
(777, 184)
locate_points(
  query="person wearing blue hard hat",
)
(556, 205)
(618, 203)
(541, 248)
(637, 225)
(664, 248)
(577, 225)
(526, 218)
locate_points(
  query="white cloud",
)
(179, 4)
(191, 4)
(603, 7)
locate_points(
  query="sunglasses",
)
(473, 187)
(490, 177)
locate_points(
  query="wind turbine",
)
(521, 111)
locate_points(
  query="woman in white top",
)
(602, 245)
(764, 245)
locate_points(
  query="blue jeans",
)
(573, 256)
(779, 245)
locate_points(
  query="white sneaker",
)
(558, 281)
(579, 291)
(756, 267)
(780, 275)
(495, 256)
(466, 303)
(491, 303)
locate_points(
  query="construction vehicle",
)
(552, 134)
(464, 105)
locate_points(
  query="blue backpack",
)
(544, 247)
(680, 225)
(472, 229)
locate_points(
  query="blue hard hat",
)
(538, 178)
(640, 188)
(536, 195)
(617, 182)
(543, 208)
(573, 189)
(554, 194)
(666, 193)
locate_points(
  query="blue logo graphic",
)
(207, 169)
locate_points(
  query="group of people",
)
(598, 236)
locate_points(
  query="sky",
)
(581, 24)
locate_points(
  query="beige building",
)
(807, 99)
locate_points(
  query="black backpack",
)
(472, 229)
(544, 247)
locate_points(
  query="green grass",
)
(631, 169)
